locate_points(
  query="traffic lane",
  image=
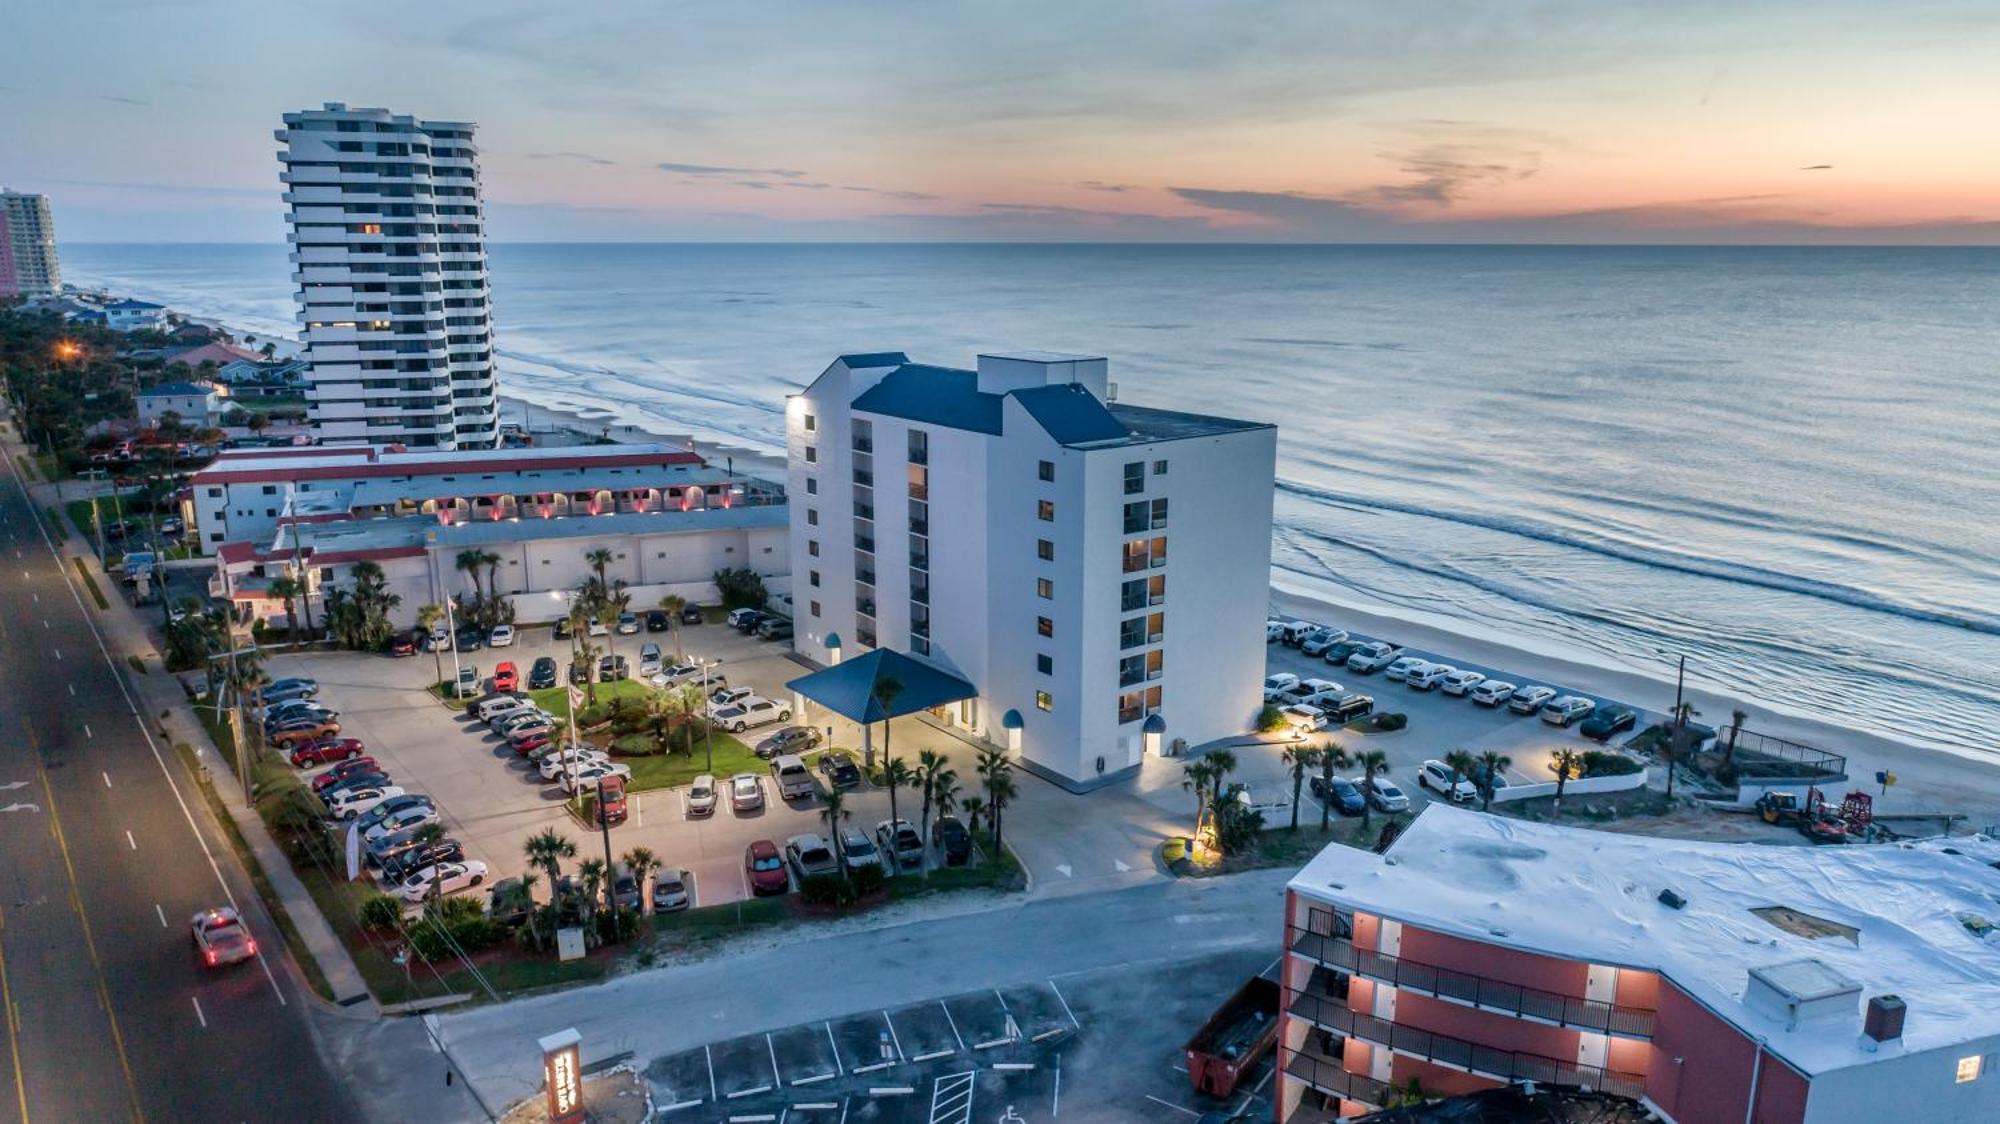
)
(153, 983)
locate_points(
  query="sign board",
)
(562, 1073)
(569, 944)
(354, 849)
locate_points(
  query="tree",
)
(896, 773)
(1736, 719)
(1491, 764)
(258, 422)
(693, 709)
(547, 851)
(615, 605)
(996, 773)
(887, 690)
(1196, 776)
(1333, 756)
(1568, 763)
(467, 562)
(642, 862)
(287, 588)
(974, 808)
(673, 605)
(929, 764)
(599, 559)
(740, 588)
(428, 617)
(1464, 766)
(1225, 764)
(834, 814)
(944, 792)
(1373, 764)
(594, 887)
(1302, 759)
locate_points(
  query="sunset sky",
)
(1614, 120)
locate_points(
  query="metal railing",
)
(1330, 1076)
(1479, 991)
(1503, 1065)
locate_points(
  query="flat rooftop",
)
(379, 493)
(426, 531)
(1149, 424)
(1587, 895)
(358, 462)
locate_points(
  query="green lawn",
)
(692, 928)
(672, 769)
(552, 699)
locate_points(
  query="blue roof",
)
(849, 688)
(176, 390)
(1070, 414)
(135, 306)
(863, 360)
(943, 396)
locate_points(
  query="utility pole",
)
(604, 825)
(451, 628)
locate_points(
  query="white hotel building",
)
(389, 245)
(1097, 571)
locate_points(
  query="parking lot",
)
(492, 800)
(1102, 1045)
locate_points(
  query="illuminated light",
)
(1968, 1067)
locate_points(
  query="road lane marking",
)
(197, 1011)
(705, 1052)
(13, 1028)
(107, 779)
(162, 913)
(129, 839)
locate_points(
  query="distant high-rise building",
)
(28, 266)
(389, 245)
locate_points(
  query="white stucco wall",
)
(1910, 1086)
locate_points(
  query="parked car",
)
(1341, 795)
(1276, 685)
(746, 792)
(678, 673)
(1459, 682)
(791, 739)
(898, 840)
(1611, 720)
(1274, 630)
(612, 807)
(743, 620)
(1347, 708)
(511, 903)
(808, 855)
(1303, 720)
(530, 721)
(579, 672)
(691, 615)
(701, 796)
(625, 891)
(1567, 711)
(1317, 644)
(765, 869)
(495, 705)
(774, 628)
(839, 769)
(1305, 689)
(468, 682)
(564, 630)
(562, 761)
(1529, 700)
(469, 638)
(628, 624)
(325, 751)
(297, 708)
(346, 804)
(1429, 676)
(650, 662)
(789, 773)
(724, 695)
(748, 712)
(585, 777)
(372, 777)
(221, 938)
(406, 643)
(506, 677)
(612, 668)
(542, 674)
(950, 836)
(531, 739)
(595, 627)
(502, 636)
(1296, 631)
(1403, 667)
(1445, 781)
(279, 690)
(670, 890)
(1491, 692)
(657, 620)
(443, 878)
(307, 731)
(389, 807)
(1373, 657)
(401, 861)
(1336, 654)
(1384, 795)
(439, 640)
(346, 768)
(403, 819)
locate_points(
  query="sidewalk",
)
(159, 693)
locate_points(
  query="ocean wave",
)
(1696, 565)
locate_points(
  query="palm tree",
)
(1195, 777)
(1332, 756)
(1373, 764)
(546, 851)
(1301, 759)
(1737, 718)
(1491, 764)
(587, 654)
(594, 882)
(599, 559)
(287, 588)
(973, 807)
(834, 814)
(692, 701)
(1568, 763)
(428, 617)
(673, 604)
(660, 712)
(929, 764)
(944, 793)
(1678, 739)
(1000, 792)
(887, 690)
(1225, 764)
(614, 605)
(642, 862)
(491, 561)
(468, 563)
(1464, 766)
(896, 773)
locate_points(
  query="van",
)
(794, 782)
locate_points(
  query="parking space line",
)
(133, 843)
(706, 1053)
(1003, 1001)
(751, 1092)
(107, 778)
(934, 1055)
(839, 1069)
(162, 913)
(893, 1039)
(1172, 1105)
(1065, 1003)
(813, 1080)
(951, 1022)
(694, 890)
(776, 1077)
(197, 1012)
(1055, 1098)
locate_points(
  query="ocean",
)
(1782, 463)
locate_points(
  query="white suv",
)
(1459, 682)
(1568, 709)
(1405, 667)
(1492, 692)
(1372, 657)
(1430, 675)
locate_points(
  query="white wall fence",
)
(552, 605)
(1581, 786)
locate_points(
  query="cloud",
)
(725, 170)
(1816, 168)
(1100, 185)
(890, 193)
(585, 157)
(123, 100)
(1443, 173)
(268, 193)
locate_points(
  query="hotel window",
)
(1135, 478)
(1159, 468)
(812, 547)
(812, 517)
(1136, 518)
(1159, 514)
(812, 423)
(815, 608)
(1045, 664)
(1044, 626)
(1046, 701)
(1046, 470)
(1045, 550)
(1045, 510)
(1968, 1068)
(812, 486)
(812, 454)
(1045, 589)
(920, 447)
(813, 577)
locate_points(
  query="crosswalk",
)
(951, 1098)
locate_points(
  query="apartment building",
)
(28, 263)
(1709, 981)
(1098, 572)
(389, 248)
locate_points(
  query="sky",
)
(1045, 120)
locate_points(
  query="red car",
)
(529, 743)
(325, 751)
(404, 644)
(765, 869)
(506, 677)
(344, 770)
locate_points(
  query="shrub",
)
(634, 745)
(382, 913)
(1270, 719)
(741, 588)
(826, 889)
(1600, 763)
(868, 879)
(453, 925)
(1388, 723)
(617, 925)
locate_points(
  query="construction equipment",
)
(1782, 808)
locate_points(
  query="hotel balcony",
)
(1328, 1075)
(1479, 992)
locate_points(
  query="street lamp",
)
(707, 726)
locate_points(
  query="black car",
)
(369, 779)
(1342, 795)
(949, 835)
(579, 672)
(412, 857)
(1347, 708)
(658, 621)
(563, 629)
(691, 615)
(1610, 720)
(543, 674)
(791, 739)
(511, 903)
(840, 769)
(748, 622)
(1337, 655)
(613, 667)
(471, 639)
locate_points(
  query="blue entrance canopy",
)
(850, 688)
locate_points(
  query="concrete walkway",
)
(167, 707)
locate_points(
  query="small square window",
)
(1045, 550)
(812, 576)
(812, 423)
(1044, 701)
(1045, 589)
(812, 454)
(815, 607)
(812, 547)
(812, 486)
(1045, 510)
(1046, 470)
(812, 517)
(1045, 626)
(1045, 664)
(1159, 468)
(1968, 1068)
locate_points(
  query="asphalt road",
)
(105, 854)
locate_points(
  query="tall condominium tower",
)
(28, 265)
(389, 250)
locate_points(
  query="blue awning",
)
(852, 688)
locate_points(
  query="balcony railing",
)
(1478, 991)
(864, 444)
(864, 476)
(920, 526)
(1501, 1065)
(1328, 1075)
